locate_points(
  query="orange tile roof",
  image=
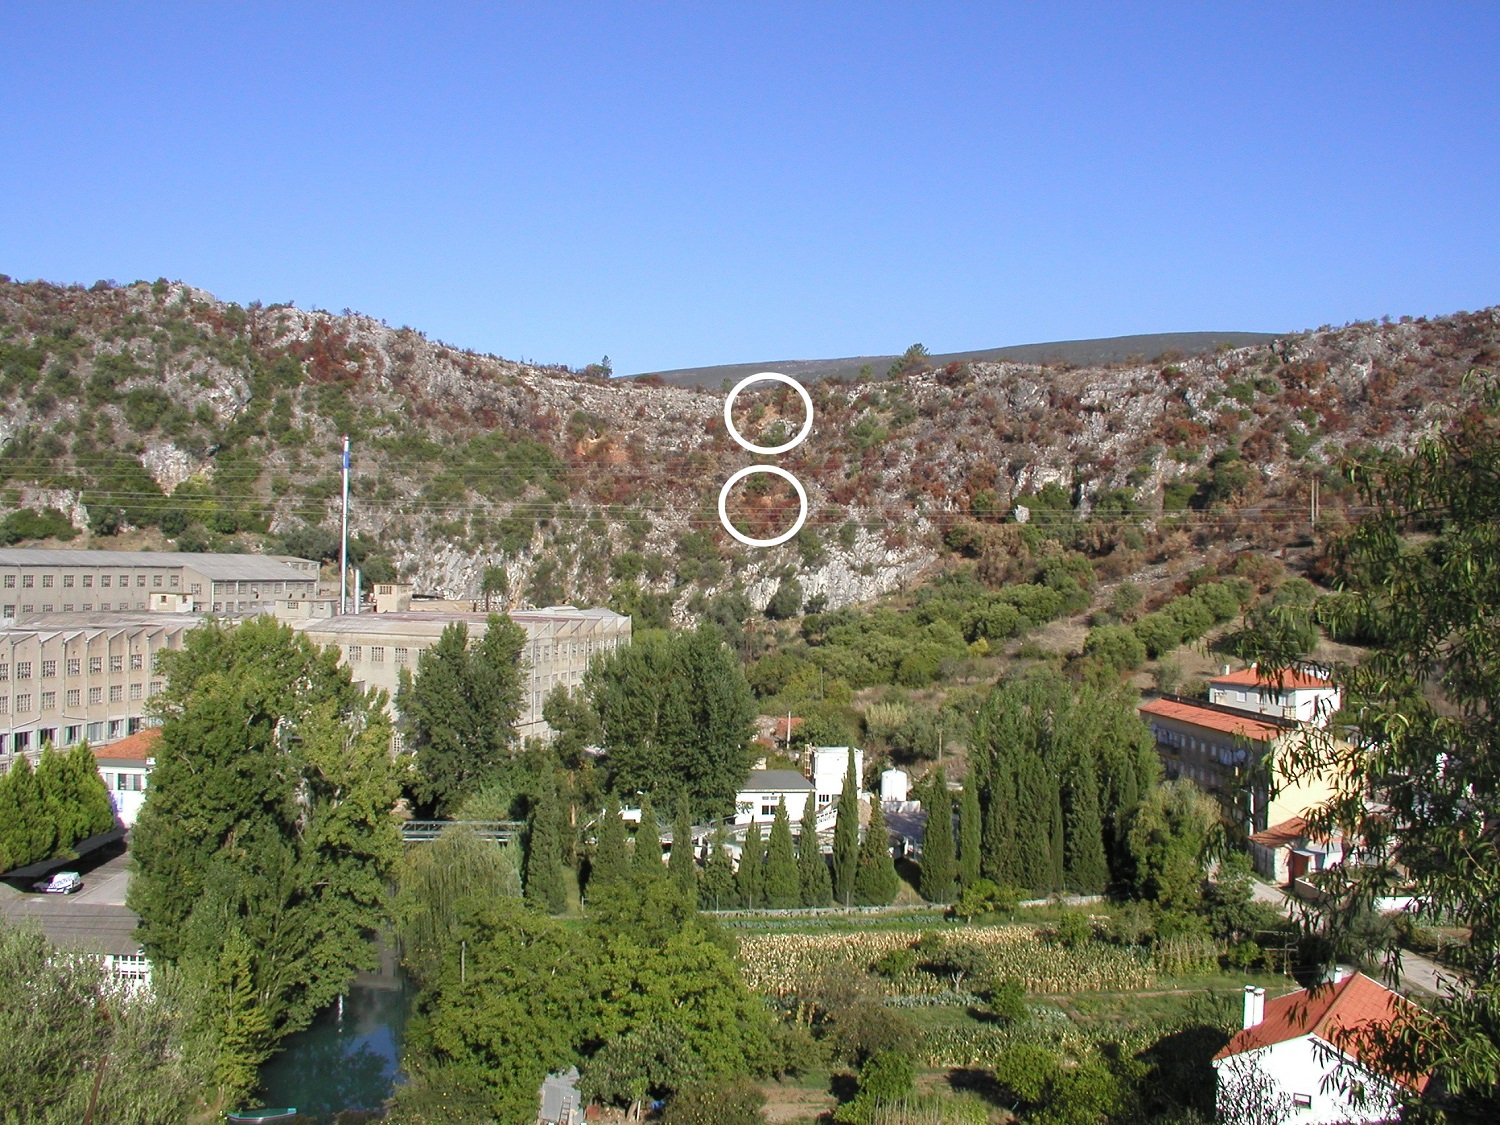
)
(1247, 726)
(1289, 679)
(1343, 1014)
(1283, 833)
(136, 747)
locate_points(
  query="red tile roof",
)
(1343, 1014)
(136, 747)
(1289, 679)
(1279, 834)
(1247, 726)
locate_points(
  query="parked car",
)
(62, 883)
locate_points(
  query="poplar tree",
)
(716, 890)
(846, 838)
(812, 868)
(611, 860)
(782, 888)
(876, 882)
(938, 869)
(682, 866)
(969, 828)
(647, 856)
(751, 878)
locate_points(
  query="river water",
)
(344, 1062)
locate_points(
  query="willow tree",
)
(1419, 582)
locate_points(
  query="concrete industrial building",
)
(80, 676)
(37, 583)
(560, 641)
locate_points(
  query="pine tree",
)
(938, 870)
(846, 838)
(683, 867)
(876, 882)
(812, 868)
(611, 860)
(647, 856)
(969, 832)
(783, 889)
(545, 886)
(1087, 872)
(751, 878)
(717, 890)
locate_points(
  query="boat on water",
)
(260, 1116)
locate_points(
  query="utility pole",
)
(344, 538)
(1313, 508)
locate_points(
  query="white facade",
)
(757, 800)
(1291, 695)
(829, 765)
(1306, 1078)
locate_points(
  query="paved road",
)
(1417, 972)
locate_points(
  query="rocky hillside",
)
(156, 412)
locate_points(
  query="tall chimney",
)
(1255, 1005)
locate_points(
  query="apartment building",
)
(560, 641)
(1295, 693)
(77, 676)
(1239, 756)
(37, 583)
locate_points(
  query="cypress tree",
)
(682, 866)
(97, 813)
(610, 858)
(846, 838)
(876, 882)
(1087, 872)
(969, 831)
(1056, 857)
(1001, 861)
(938, 870)
(545, 887)
(647, 857)
(34, 834)
(59, 805)
(783, 889)
(812, 869)
(1033, 830)
(716, 890)
(751, 878)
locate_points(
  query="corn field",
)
(787, 965)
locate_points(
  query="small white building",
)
(1293, 694)
(126, 767)
(764, 789)
(894, 785)
(1289, 851)
(1297, 1058)
(829, 765)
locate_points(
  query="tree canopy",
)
(262, 858)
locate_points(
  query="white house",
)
(126, 767)
(1288, 851)
(1292, 694)
(1297, 1058)
(763, 789)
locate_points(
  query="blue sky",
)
(677, 185)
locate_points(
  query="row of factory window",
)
(73, 666)
(399, 654)
(73, 697)
(28, 581)
(25, 741)
(67, 607)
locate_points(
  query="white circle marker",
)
(774, 470)
(768, 450)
